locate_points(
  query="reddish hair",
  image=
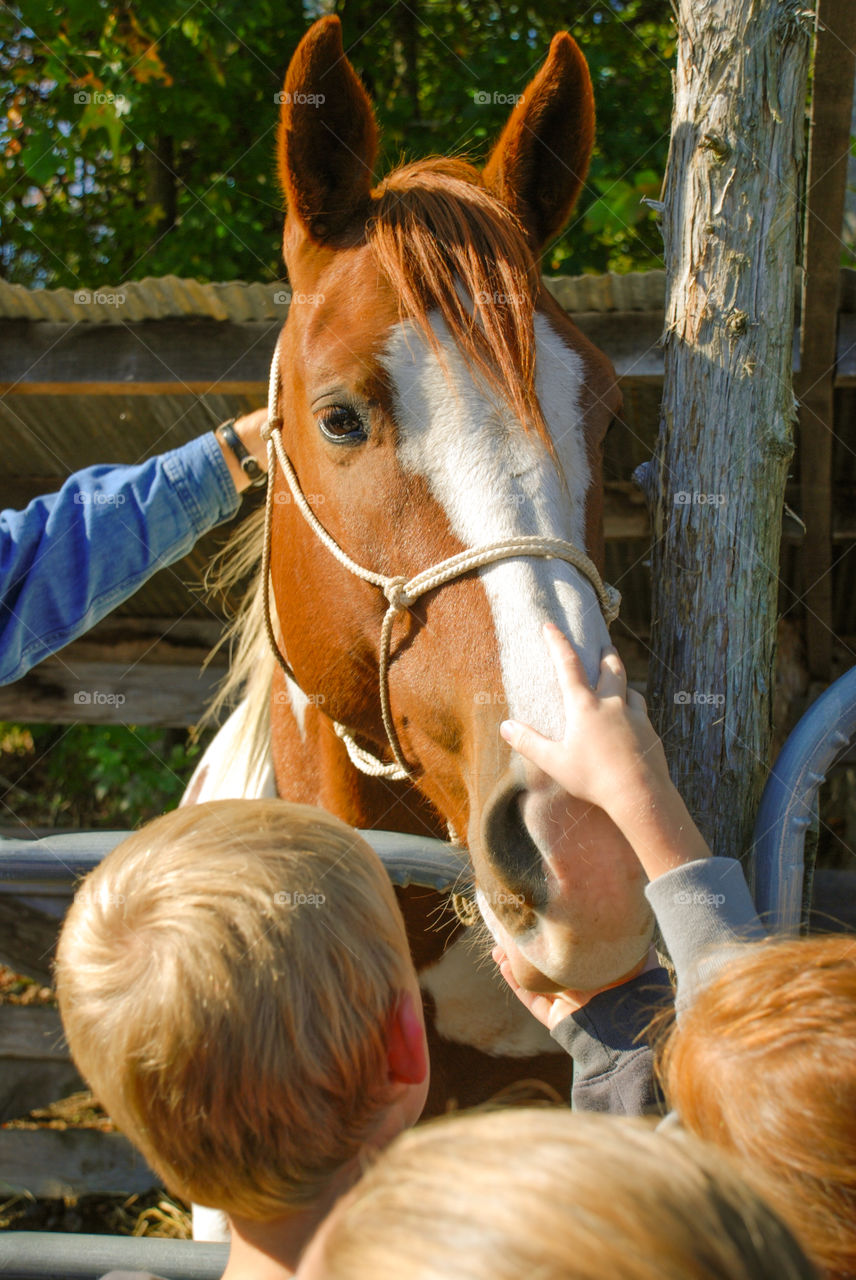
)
(763, 1064)
(446, 243)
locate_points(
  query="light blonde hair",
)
(763, 1064)
(225, 977)
(558, 1196)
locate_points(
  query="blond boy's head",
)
(226, 979)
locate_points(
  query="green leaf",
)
(40, 158)
(104, 112)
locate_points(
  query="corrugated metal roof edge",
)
(168, 297)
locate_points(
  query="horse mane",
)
(251, 662)
(445, 244)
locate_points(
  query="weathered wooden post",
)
(716, 484)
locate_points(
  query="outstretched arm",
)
(72, 556)
(611, 756)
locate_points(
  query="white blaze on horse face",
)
(494, 481)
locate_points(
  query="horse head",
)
(433, 397)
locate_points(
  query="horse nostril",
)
(511, 850)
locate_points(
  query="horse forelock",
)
(448, 246)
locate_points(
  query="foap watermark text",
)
(98, 698)
(695, 698)
(683, 498)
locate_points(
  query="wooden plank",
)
(631, 339)
(845, 361)
(27, 939)
(194, 388)
(122, 639)
(35, 1066)
(26, 1084)
(155, 663)
(32, 1031)
(63, 691)
(198, 357)
(54, 1163)
(829, 148)
(625, 513)
(153, 357)
(232, 359)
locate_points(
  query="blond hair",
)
(554, 1195)
(763, 1064)
(225, 977)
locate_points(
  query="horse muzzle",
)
(557, 879)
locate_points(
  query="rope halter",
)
(400, 592)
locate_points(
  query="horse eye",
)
(342, 424)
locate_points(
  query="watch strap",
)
(251, 469)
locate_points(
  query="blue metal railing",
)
(789, 802)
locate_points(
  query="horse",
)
(435, 496)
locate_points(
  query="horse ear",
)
(541, 159)
(327, 134)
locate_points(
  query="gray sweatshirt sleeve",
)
(704, 910)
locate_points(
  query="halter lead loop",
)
(400, 592)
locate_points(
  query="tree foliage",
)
(97, 776)
(139, 140)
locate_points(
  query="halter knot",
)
(394, 591)
(270, 425)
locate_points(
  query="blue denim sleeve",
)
(71, 557)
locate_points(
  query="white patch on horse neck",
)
(299, 702)
(474, 1006)
(494, 481)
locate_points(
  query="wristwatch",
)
(251, 469)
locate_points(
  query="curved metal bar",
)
(790, 798)
(51, 866)
(52, 1255)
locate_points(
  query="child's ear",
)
(406, 1052)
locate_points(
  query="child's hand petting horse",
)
(611, 757)
(609, 741)
(551, 1008)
